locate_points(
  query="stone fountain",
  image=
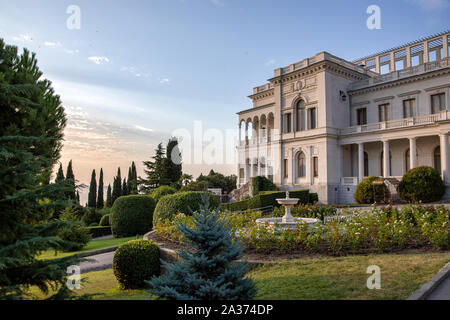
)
(287, 221)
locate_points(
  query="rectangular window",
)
(408, 108)
(384, 69)
(287, 123)
(312, 118)
(301, 119)
(361, 116)
(241, 173)
(437, 102)
(315, 167)
(285, 168)
(383, 112)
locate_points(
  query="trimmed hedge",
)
(104, 221)
(365, 190)
(100, 231)
(162, 191)
(184, 202)
(421, 184)
(260, 184)
(132, 215)
(136, 261)
(268, 198)
(313, 198)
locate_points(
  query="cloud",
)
(271, 62)
(164, 80)
(52, 44)
(218, 3)
(70, 51)
(98, 60)
(23, 38)
(429, 5)
(143, 128)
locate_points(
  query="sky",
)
(136, 72)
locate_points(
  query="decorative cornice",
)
(262, 95)
(410, 93)
(256, 108)
(384, 98)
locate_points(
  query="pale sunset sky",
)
(135, 71)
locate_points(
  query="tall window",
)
(287, 123)
(312, 118)
(437, 102)
(361, 116)
(437, 159)
(383, 112)
(301, 168)
(315, 167)
(408, 108)
(285, 168)
(301, 115)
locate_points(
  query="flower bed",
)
(367, 231)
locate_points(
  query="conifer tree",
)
(209, 270)
(60, 174)
(92, 197)
(171, 171)
(109, 197)
(117, 186)
(70, 178)
(153, 171)
(32, 121)
(130, 181)
(78, 198)
(100, 197)
(124, 187)
(134, 184)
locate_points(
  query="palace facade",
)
(324, 123)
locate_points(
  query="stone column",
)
(360, 161)
(408, 57)
(425, 52)
(444, 157)
(240, 132)
(386, 162)
(293, 175)
(412, 153)
(445, 46)
(392, 62)
(377, 65)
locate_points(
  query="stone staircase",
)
(243, 192)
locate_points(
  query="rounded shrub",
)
(136, 261)
(364, 193)
(132, 215)
(184, 202)
(104, 221)
(161, 191)
(421, 184)
(91, 217)
(76, 237)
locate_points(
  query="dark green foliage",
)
(100, 231)
(100, 198)
(262, 184)
(109, 197)
(31, 130)
(104, 221)
(91, 217)
(134, 262)
(195, 186)
(60, 174)
(313, 198)
(237, 205)
(74, 212)
(421, 184)
(218, 180)
(209, 270)
(132, 215)
(70, 178)
(124, 188)
(153, 171)
(92, 197)
(132, 180)
(75, 237)
(364, 193)
(117, 187)
(184, 202)
(172, 163)
(161, 191)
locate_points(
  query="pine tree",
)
(171, 171)
(60, 174)
(153, 171)
(109, 197)
(100, 198)
(117, 187)
(209, 270)
(32, 121)
(92, 197)
(70, 178)
(124, 187)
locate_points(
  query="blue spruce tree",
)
(209, 270)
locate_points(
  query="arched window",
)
(300, 113)
(382, 163)
(366, 164)
(407, 160)
(437, 159)
(301, 168)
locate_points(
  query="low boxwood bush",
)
(260, 184)
(134, 262)
(162, 191)
(236, 206)
(184, 202)
(77, 236)
(421, 184)
(132, 215)
(364, 193)
(100, 231)
(104, 221)
(91, 217)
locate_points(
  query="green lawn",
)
(91, 246)
(313, 278)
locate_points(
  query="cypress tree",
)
(92, 197)
(209, 270)
(171, 171)
(109, 197)
(100, 197)
(130, 181)
(78, 198)
(70, 178)
(124, 187)
(117, 186)
(32, 121)
(60, 174)
(135, 178)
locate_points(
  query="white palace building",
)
(324, 123)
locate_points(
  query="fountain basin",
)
(278, 223)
